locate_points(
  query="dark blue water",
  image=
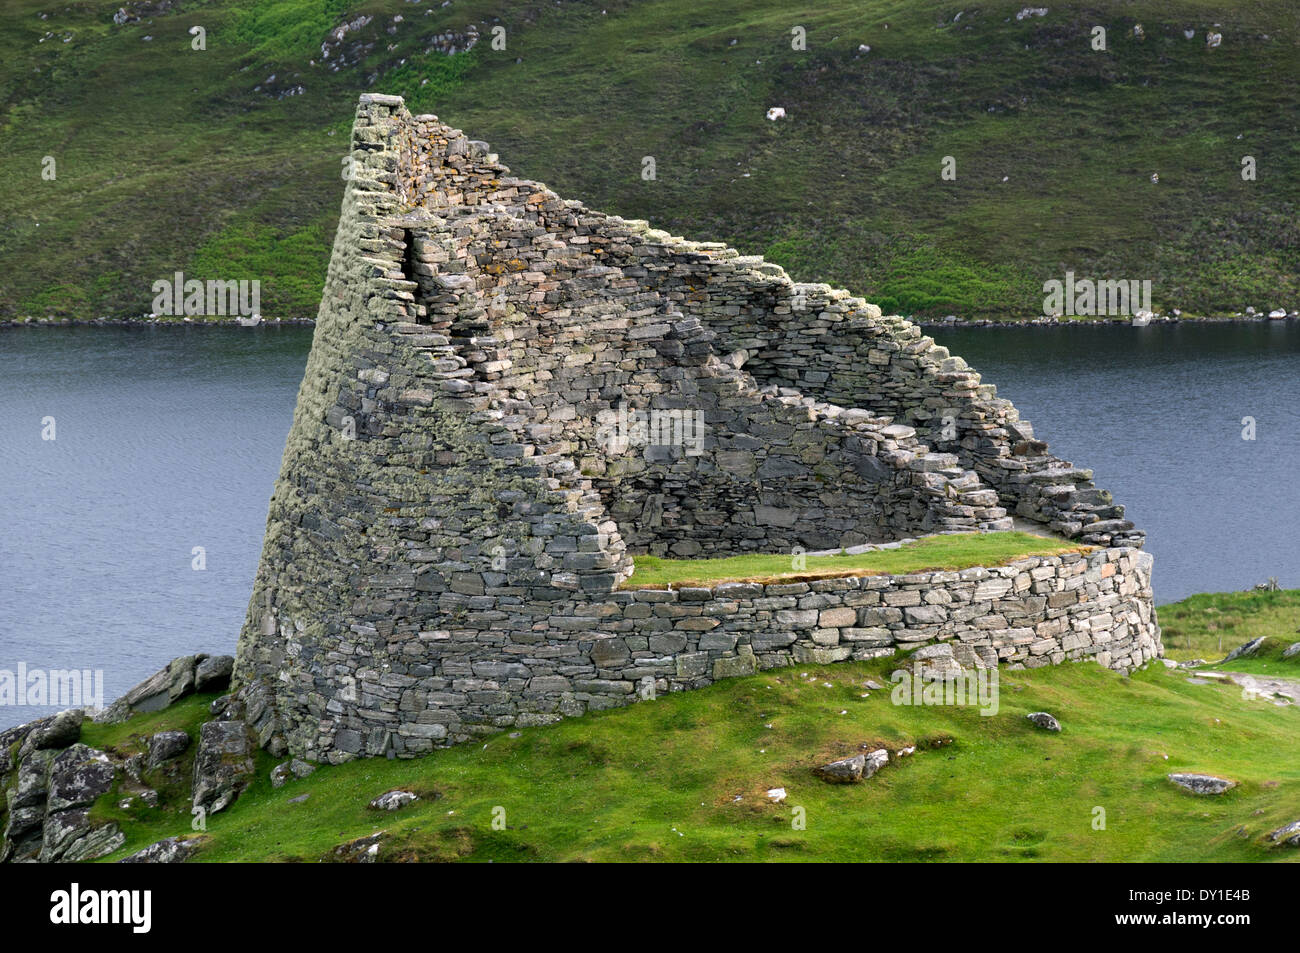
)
(1156, 413)
(166, 439)
(169, 439)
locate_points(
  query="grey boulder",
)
(843, 771)
(59, 731)
(1245, 650)
(1288, 835)
(854, 769)
(281, 773)
(1043, 720)
(392, 800)
(78, 777)
(71, 836)
(223, 765)
(156, 692)
(213, 673)
(1202, 783)
(166, 745)
(171, 850)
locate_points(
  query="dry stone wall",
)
(457, 511)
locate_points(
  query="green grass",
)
(1268, 660)
(946, 552)
(683, 778)
(174, 159)
(1210, 625)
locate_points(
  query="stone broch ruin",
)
(450, 531)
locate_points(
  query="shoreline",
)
(151, 323)
(1048, 322)
(1039, 322)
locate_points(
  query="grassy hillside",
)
(225, 162)
(1210, 625)
(685, 778)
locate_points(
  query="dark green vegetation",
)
(174, 159)
(1210, 625)
(956, 551)
(684, 778)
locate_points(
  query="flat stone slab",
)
(1203, 783)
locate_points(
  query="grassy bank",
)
(1210, 625)
(956, 551)
(225, 162)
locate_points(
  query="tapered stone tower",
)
(509, 394)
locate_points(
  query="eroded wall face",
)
(456, 506)
(689, 456)
(821, 341)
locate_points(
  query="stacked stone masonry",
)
(455, 514)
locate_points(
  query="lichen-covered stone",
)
(1043, 720)
(169, 850)
(1202, 783)
(223, 765)
(212, 674)
(166, 745)
(393, 800)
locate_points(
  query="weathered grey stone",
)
(60, 731)
(78, 776)
(1202, 783)
(393, 800)
(875, 761)
(363, 850)
(213, 673)
(166, 745)
(71, 837)
(854, 769)
(844, 771)
(1287, 835)
(1246, 649)
(170, 850)
(1043, 720)
(223, 765)
(167, 685)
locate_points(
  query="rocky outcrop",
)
(1045, 721)
(363, 850)
(170, 850)
(181, 677)
(223, 765)
(212, 673)
(51, 782)
(1246, 649)
(292, 768)
(166, 745)
(48, 806)
(58, 731)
